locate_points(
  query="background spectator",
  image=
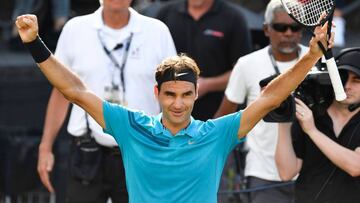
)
(215, 34)
(324, 148)
(107, 49)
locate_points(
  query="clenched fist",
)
(27, 26)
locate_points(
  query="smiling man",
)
(170, 157)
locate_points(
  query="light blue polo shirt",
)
(162, 168)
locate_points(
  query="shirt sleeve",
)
(236, 88)
(167, 43)
(228, 127)
(298, 139)
(116, 119)
(64, 49)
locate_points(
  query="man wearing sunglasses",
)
(284, 50)
(283, 27)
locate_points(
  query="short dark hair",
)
(176, 64)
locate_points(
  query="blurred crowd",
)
(53, 15)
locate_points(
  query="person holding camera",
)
(284, 51)
(324, 149)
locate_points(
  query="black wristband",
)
(38, 50)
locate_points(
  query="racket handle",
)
(335, 79)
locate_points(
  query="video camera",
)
(315, 91)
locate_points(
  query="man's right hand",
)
(27, 26)
(45, 166)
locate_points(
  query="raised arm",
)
(62, 78)
(281, 87)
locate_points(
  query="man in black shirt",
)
(215, 34)
(325, 151)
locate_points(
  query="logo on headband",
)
(172, 75)
(180, 74)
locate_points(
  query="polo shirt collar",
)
(214, 8)
(133, 26)
(190, 130)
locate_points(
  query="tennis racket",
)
(307, 13)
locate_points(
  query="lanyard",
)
(121, 66)
(273, 61)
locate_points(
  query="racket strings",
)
(307, 11)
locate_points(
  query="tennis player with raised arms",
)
(170, 157)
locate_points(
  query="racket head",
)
(308, 12)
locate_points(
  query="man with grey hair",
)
(284, 50)
(112, 50)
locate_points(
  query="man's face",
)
(116, 5)
(352, 89)
(283, 40)
(176, 99)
